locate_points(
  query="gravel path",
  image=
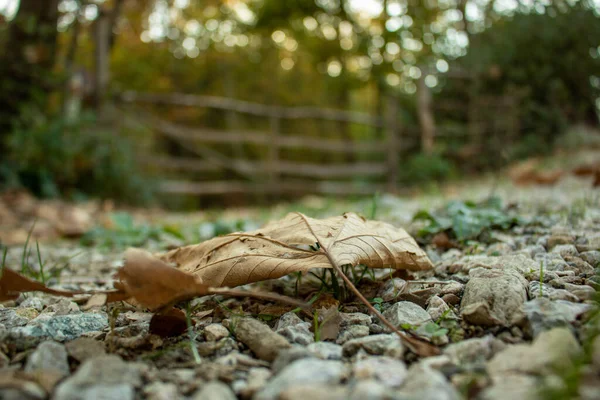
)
(514, 314)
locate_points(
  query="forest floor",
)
(511, 303)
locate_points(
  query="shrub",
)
(422, 168)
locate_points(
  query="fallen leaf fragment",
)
(329, 323)
(12, 284)
(168, 324)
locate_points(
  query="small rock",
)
(4, 360)
(215, 332)
(105, 377)
(511, 386)
(162, 391)
(474, 351)
(287, 356)
(265, 343)
(391, 289)
(314, 392)
(352, 332)
(452, 287)
(256, 380)
(426, 383)
(545, 314)
(325, 350)
(383, 344)
(565, 250)
(369, 389)
(518, 262)
(591, 257)
(49, 356)
(307, 372)
(62, 307)
(499, 249)
(580, 266)
(451, 299)
(83, 348)
(33, 302)
(494, 297)
(438, 308)
(214, 390)
(9, 318)
(550, 351)
(406, 313)
(549, 292)
(58, 328)
(532, 251)
(355, 319)
(559, 239)
(390, 372)
(550, 262)
(294, 329)
(582, 292)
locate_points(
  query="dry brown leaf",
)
(329, 323)
(12, 284)
(282, 247)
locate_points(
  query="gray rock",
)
(406, 313)
(325, 350)
(348, 319)
(48, 356)
(315, 392)
(214, 390)
(162, 391)
(4, 360)
(14, 317)
(494, 297)
(389, 371)
(287, 356)
(84, 348)
(62, 307)
(582, 292)
(294, 329)
(565, 250)
(591, 257)
(545, 314)
(58, 328)
(549, 292)
(257, 379)
(438, 308)
(551, 351)
(511, 386)
(474, 351)
(532, 251)
(33, 302)
(383, 344)
(558, 239)
(265, 343)
(391, 289)
(215, 332)
(518, 262)
(105, 377)
(426, 383)
(499, 249)
(369, 389)
(307, 372)
(550, 262)
(352, 332)
(452, 287)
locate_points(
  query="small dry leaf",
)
(12, 284)
(329, 323)
(282, 247)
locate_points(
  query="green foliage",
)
(467, 220)
(550, 59)
(123, 233)
(421, 168)
(54, 158)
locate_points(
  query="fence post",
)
(426, 120)
(273, 156)
(393, 148)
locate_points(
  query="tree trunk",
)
(27, 62)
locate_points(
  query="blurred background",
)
(188, 104)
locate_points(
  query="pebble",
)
(352, 332)
(263, 342)
(406, 313)
(549, 262)
(518, 262)
(591, 257)
(294, 329)
(307, 371)
(511, 386)
(565, 250)
(382, 344)
(59, 328)
(215, 332)
(104, 377)
(474, 351)
(452, 287)
(84, 348)
(545, 314)
(438, 308)
(550, 351)
(162, 391)
(33, 302)
(48, 356)
(11, 318)
(214, 390)
(288, 356)
(314, 392)
(369, 389)
(325, 350)
(390, 372)
(426, 383)
(349, 319)
(391, 289)
(549, 292)
(494, 297)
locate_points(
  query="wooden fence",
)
(274, 174)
